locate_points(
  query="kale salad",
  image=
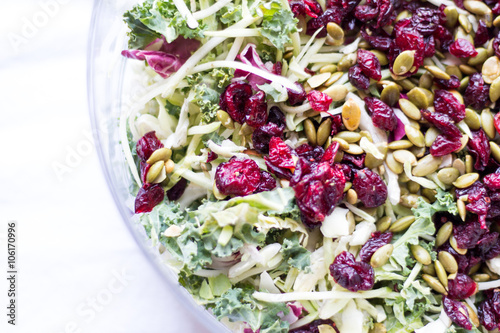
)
(321, 166)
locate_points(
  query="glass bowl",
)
(110, 87)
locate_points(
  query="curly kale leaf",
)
(277, 24)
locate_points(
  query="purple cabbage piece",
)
(165, 58)
(250, 57)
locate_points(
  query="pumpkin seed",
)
(367, 135)
(154, 171)
(482, 55)
(418, 97)
(472, 314)
(488, 123)
(437, 73)
(434, 283)
(382, 58)
(310, 131)
(418, 151)
(461, 209)
(402, 223)
(324, 131)
(169, 166)
(337, 92)
(444, 233)
(225, 119)
(448, 175)
(400, 144)
(427, 165)
(492, 275)
(466, 180)
(383, 224)
(403, 155)
(477, 7)
(162, 154)
(404, 62)
(335, 31)
(334, 78)
(441, 273)
(467, 70)
(381, 256)
(464, 23)
(393, 165)
(495, 151)
(378, 328)
(246, 129)
(469, 164)
(431, 135)
(421, 255)
(453, 243)
(411, 200)
(491, 69)
(429, 194)
(343, 145)
(448, 261)
(472, 119)
(351, 115)
(406, 84)
(429, 270)
(464, 83)
(413, 187)
(347, 62)
(426, 80)
(328, 68)
(459, 165)
(451, 16)
(403, 15)
(326, 329)
(339, 156)
(390, 94)
(350, 137)
(481, 277)
(347, 186)
(415, 136)
(371, 162)
(318, 79)
(354, 149)
(454, 70)
(409, 109)
(351, 196)
(496, 22)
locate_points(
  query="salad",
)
(322, 166)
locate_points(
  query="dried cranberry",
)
(425, 20)
(461, 287)
(477, 92)
(318, 189)
(462, 48)
(310, 153)
(329, 15)
(370, 187)
(336, 124)
(406, 40)
(176, 192)
(144, 167)
(479, 202)
(459, 3)
(347, 171)
(148, 197)
(297, 96)
(496, 122)
(452, 83)
(380, 12)
(319, 101)
(496, 45)
(280, 154)
(492, 181)
(444, 37)
(430, 46)
(380, 42)
(377, 240)
(262, 136)
(369, 64)
(488, 246)
(444, 146)
(482, 35)
(443, 123)
(147, 145)
(237, 177)
(277, 117)
(445, 102)
(355, 161)
(266, 182)
(479, 147)
(310, 8)
(382, 114)
(281, 173)
(313, 327)
(256, 110)
(212, 157)
(468, 234)
(358, 78)
(234, 98)
(330, 152)
(350, 274)
(487, 315)
(457, 312)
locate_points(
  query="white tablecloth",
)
(79, 268)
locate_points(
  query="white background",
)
(72, 243)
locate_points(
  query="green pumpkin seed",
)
(334, 91)
(400, 144)
(491, 69)
(328, 68)
(437, 73)
(492, 275)
(404, 62)
(472, 315)
(246, 129)
(378, 328)
(496, 22)
(454, 70)
(403, 155)
(464, 23)
(347, 62)
(415, 136)
(225, 119)
(339, 156)
(421, 255)
(454, 245)
(469, 164)
(403, 15)
(393, 165)
(429, 194)
(464, 83)
(444, 233)
(413, 187)
(383, 224)
(351, 115)
(371, 162)
(390, 94)
(402, 223)
(406, 84)
(351, 196)
(349, 137)
(318, 79)
(382, 58)
(418, 97)
(411, 200)
(343, 145)
(427, 165)
(169, 166)
(472, 119)
(409, 109)
(366, 134)
(431, 135)
(434, 283)
(381, 256)
(448, 261)
(324, 131)
(467, 70)
(441, 273)
(477, 7)
(466, 180)
(335, 31)
(154, 171)
(481, 277)
(418, 151)
(459, 165)
(482, 55)
(429, 270)
(354, 149)
(451, 16)
(495, 151)
(462, 211)
(162, 154)
(448, 175)
(488, 123)
(310, 131)
(426, 80)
